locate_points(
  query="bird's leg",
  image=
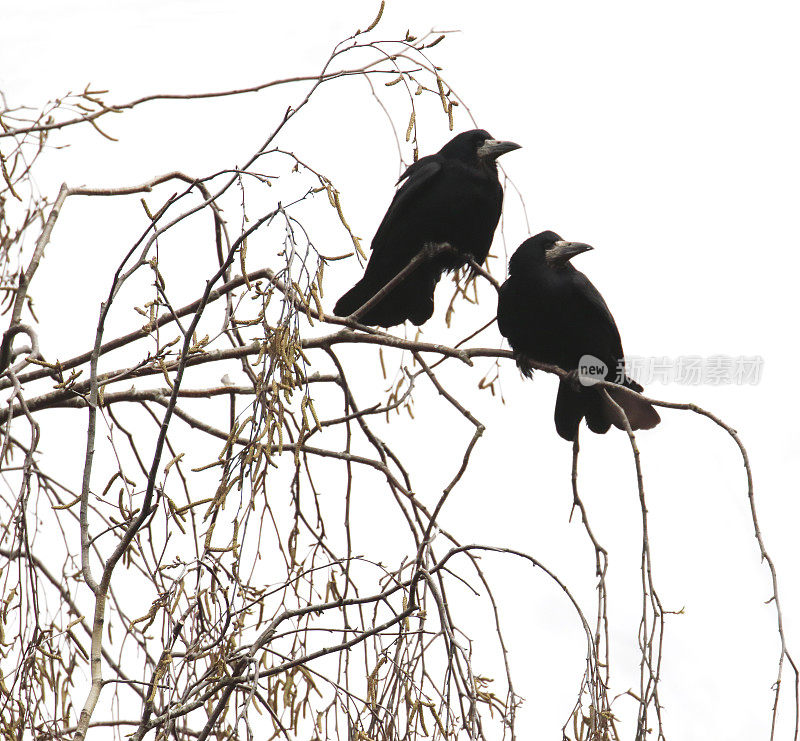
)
(573, 378)
(473, 263)
(524, 364)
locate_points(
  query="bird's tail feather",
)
(641, 414)
(572, 405)
(412, 299)
(351, 300)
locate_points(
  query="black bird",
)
(551, 313)
(454, 197)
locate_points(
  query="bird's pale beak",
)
(562, 252)
(492, 148)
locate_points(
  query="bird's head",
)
(546, 248)
(476, 145)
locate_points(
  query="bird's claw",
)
(432, 249)
(524, 364)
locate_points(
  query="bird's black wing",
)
(418, 178)
(398, 239)
(516, 317)
(596, 324)
(512, 313)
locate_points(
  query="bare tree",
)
(259, 619)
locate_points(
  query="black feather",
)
(551, 313)
(454, 197)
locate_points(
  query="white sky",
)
(666, 135)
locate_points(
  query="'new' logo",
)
(591, 370)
